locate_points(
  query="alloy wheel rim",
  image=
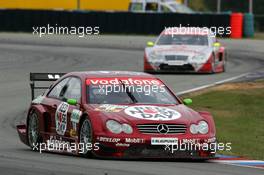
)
(33, 130)
(85, 135)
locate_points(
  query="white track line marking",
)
(239, 161)
(233, 164)
(212, 84)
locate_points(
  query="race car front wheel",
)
(33, 130)
(224, 66)
(213, 65)
(86, 137)
(224, 62)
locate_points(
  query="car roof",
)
(109, 74)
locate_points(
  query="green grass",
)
(239, 118)
(259, 36)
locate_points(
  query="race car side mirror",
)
(150, 44)
(217, 44)
(72, 101)
(187, 101)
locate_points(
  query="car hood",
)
(143, 114)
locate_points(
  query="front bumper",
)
(186, 68)
(170, 68)
(160, 152)
(22, 133)
(165, 67)
(142, 147)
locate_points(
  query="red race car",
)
(115, 114)
(189, 49)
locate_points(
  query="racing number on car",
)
(152, 113)
(61, 118)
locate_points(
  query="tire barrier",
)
(109, 22)
(248, 25)
(236, 23)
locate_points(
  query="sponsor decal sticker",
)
(163, 141)
(61, 118)
(191, 141)
(108, 139)
(126, 81)
(134, 140)
(58, 143)
(210, 140)
(176, 63)
(122, 145)
(110, 108)
(152, 113)
(73, 133)
(75, 118)
(55, 76)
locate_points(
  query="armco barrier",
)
(248, 25)
(109, 22)
(259, 22)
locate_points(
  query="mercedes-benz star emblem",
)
(163, 129)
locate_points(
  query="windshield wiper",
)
(131, 96)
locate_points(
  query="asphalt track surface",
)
(24, 53)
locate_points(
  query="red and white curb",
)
(239, 161)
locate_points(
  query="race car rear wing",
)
(37, 77)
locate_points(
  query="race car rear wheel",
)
(86, 137)
(33, 130)
(224, 62)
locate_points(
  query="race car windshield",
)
(181, 8)
(128, 94)
(201, 40)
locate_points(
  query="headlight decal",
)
(202, 128)
(116, 128)
(126, 128)
(198, 59)
(155, 57)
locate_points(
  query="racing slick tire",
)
(33, 134)
(224, 63)
(85, 137)
(213, 65)
(224, 66)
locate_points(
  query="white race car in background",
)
(158, 6)
(188, 50)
